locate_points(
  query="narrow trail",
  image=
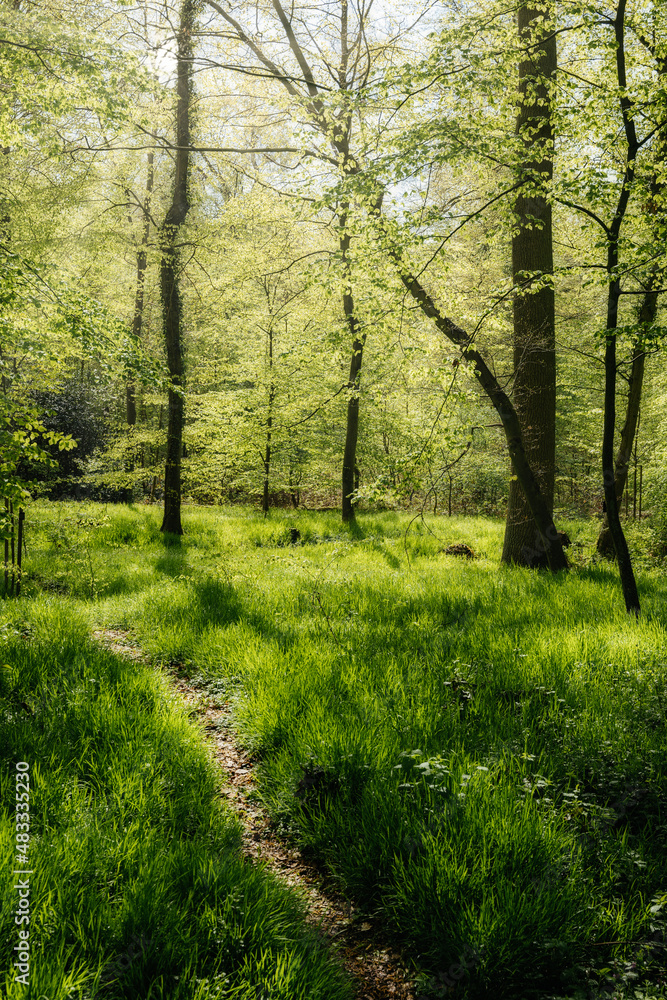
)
(374, 966)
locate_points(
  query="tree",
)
(532, 273)
(142, 264)
(610, 190)
(330, 103)
(452, 139)
(655, 208)
(262, 326)
(170, 291)
(548, 540)
(64, 87)
(628, 582)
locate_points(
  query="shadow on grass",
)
(174, 562)
(392, 561)
(216, 602)
(354, 529)
(171, 541)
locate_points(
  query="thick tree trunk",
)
(532, 258)
(138, 316)
(170, 293)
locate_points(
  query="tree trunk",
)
(626, 573)
(532, 258)
(647, 314)
(138, 316)
(546, 539)
(346, 70)
(350, 472)
(170, 292)
(605, 543)
(269, 428)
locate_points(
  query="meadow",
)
(474, 754)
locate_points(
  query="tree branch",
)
(297, 50)
(270, 65)
(586, 211)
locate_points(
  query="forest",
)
(333, 631)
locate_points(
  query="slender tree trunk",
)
(336, 128)
(269, 428)
(350, 472)
(7, 521)
(170, 292)
(340, 139)
(626, 572)
(532, 257)
(647, 314)
(13, 583)
(142, 262)
(5, 214)
(19, 556)
(605, 543)
(267, 453)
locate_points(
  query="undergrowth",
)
(475, 753)
(137, 886)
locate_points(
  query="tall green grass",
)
(475, 752)
(138, 888)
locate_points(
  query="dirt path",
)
(375, 967)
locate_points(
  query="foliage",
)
(60, 74)
(138, 885)
(432, 124)
(71, 410)
(485, 749)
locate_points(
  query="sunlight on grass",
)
(138, 887)
(476, 752)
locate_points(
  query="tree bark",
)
(350, 471)
(605, 543)
(269, 429)
(626, 572)
(138, 315)
(532, 258)
(647, 314)
(170, 292)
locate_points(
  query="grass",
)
(138, 888)
(476, 753)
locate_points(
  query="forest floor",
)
(375, 967)
(465, 758)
